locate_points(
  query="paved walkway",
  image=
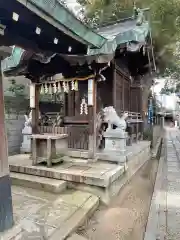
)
(173, 184)
(164, 216)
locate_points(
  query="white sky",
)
(159, 85)
(73, 5)
(168, 102)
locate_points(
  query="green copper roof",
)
(60, 17)
(120, 33)
(13, 60)
(107, 39)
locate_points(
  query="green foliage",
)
(174, 87)
(17, 102)
(167, 91)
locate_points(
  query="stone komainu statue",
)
(111, 117)
(28, 119)
(107, 118)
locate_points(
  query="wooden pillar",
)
(34, 104)
(71, 105)
(6, 213)
(143, 112)
(129, 96)
(114, 92)
(92, 92)
(77, 103)
(123, 86)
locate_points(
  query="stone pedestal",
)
(62, 145)
(115, 145)
(44, 148)
(26, 144)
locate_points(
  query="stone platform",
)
(102, 178)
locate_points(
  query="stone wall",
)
(15, 107)
(19, 80)
(14, 126)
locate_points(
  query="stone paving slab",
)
(173, 226)
(167, 215)
(173, 178)
(48, 212)
(173, 164)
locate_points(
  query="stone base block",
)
(113, 156)
(6, 212)
(61, 146)
(26, 144)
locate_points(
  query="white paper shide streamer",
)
(83, 107)
(58, 87)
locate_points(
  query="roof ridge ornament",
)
(138, 16)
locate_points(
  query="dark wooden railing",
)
(78, 131)
(135, 127)
(78, 137)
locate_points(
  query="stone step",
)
(40, 183)
(81, 215)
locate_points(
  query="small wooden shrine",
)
(108, 71)
(100, 67)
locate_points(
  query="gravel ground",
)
(126, 217)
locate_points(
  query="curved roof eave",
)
(121, 33)
(60, 17)
(115, 35)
